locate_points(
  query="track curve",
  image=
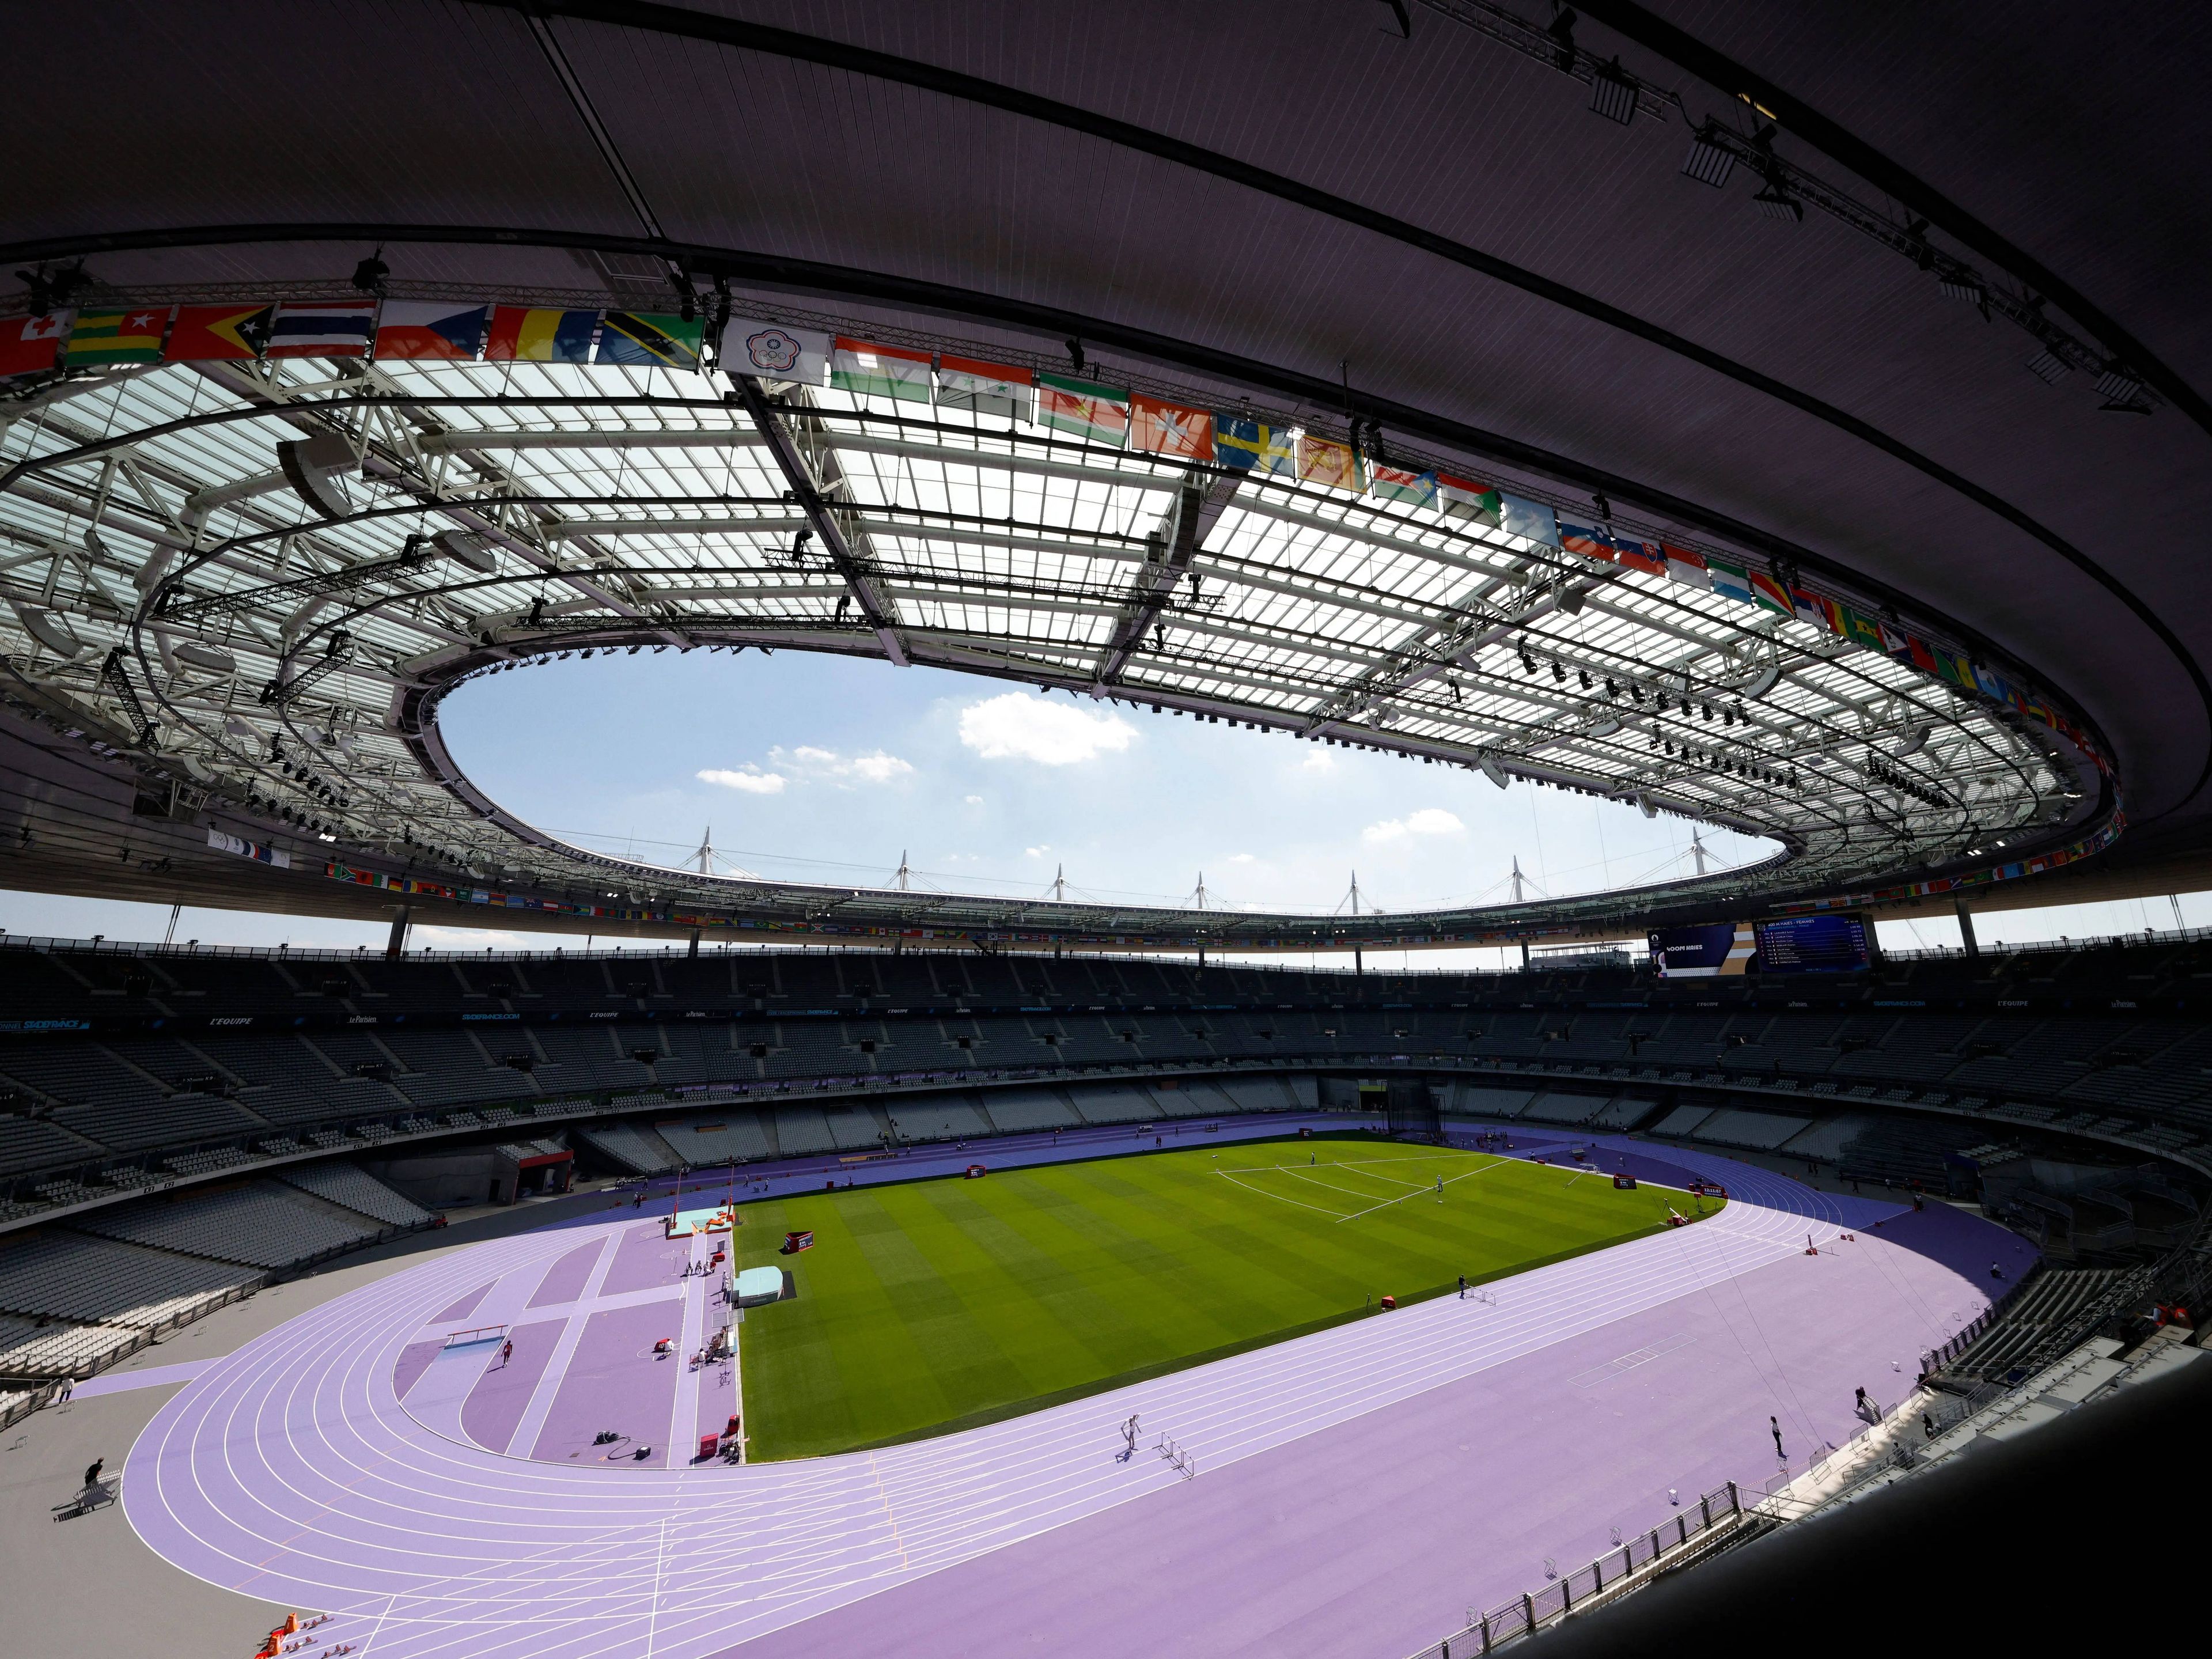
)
(292, 1470)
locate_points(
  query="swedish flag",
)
(1248, 445)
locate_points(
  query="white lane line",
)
(532, 1421)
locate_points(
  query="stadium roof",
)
(1974, 650)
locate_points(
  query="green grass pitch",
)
(939, 1305)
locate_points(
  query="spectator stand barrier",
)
(1704, 1522)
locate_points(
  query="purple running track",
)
(1332, 1494)
(501, 1394)
(564, 1280)
(614, 1382)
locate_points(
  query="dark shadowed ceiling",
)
(1293, 197)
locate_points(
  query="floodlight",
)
(2047, 367)
(1612, 93)
(1775, 202)
(2122, 391)
(1708, 162)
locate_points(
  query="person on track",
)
(1462, 1287)
(92, 1474)
(1775, 1425)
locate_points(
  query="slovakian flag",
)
(1402, 485)
(1767, 592)
(1085, 409)
(982, 388)
(219, 334)
(528, 334)
(876, 371)
(1250, 445)
(649, 339)
(117, 336)
(1647, 556)
(28, 344)
(322, 328)
(1731, 582)
(1590, 542)
(770, 351)
(1470, 502)
(1166, 428)
(431, 329)
(1324, 461)
(1530, 520)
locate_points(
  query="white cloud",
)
(1428, 821)
(1036, 852)
(1319, 760)
(752, 780)
(1242, 858)
(878, 767)
(1019, 726)
(973, 801)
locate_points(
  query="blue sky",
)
(811, 766)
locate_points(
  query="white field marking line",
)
(532, 1423)
(1416, 1192)
(1629, 1361)
(1332, 1214)
(691, 1337)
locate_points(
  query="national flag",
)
(1688, 565)
(1398, 483)
(1896, 643)
(1812, 608)
(219, 334)
(1585, 539)
(1530, 520)
(874, 371)
(28, 344)
(1643, 556)
(436, 329)
(1167, 429)
(532, 334)
(1920, 653)
(1952, 667)
(1324, 461)
(1859, 629)
(1767, 592)
(1734, 581)
(649, 339)
(1251, 446)
(1469, 501)
(1991, 683)
(772, 352)
(984, 388)
(117, 336)
(1085, 409)
(322, 328)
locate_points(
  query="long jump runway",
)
(292, 1469)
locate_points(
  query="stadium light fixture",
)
(1612, 93)
(2122, 391)
(1708, 162)
(2048, 368)
(1775, 202)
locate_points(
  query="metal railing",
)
(1629, 1564)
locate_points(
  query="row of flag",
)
(435, 331)
(1748, 585)
(1092, 411)
(1934, 886)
